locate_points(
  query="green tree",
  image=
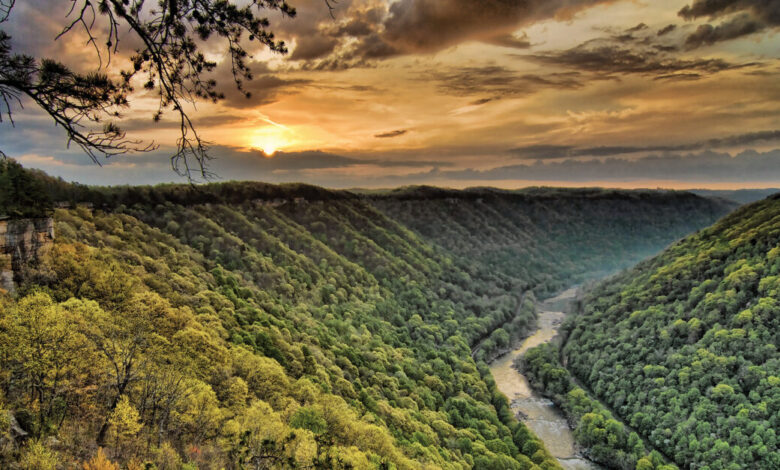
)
(21, 194)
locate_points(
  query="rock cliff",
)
(22, 241)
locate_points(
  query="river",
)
(539, 413)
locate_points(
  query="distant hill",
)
(742, 196)
(546, 238)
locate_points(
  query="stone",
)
(21, 242)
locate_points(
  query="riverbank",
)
(537, 412)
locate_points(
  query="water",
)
(538, 413)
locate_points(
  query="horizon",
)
(509, 185)
(387, 93)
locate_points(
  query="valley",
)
(538, 412)
(389, 235)
(292, 326)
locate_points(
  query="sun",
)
(269, 148)
(268, 144)
(269, 140)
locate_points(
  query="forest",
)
(684, 347)
(245, 325)
(602, 438)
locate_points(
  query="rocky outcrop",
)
(21, 242)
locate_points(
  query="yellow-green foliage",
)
(173, 355)
(204, 327)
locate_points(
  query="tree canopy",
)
(260, 326)
(684, 347)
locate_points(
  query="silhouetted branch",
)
(169, 62)
(5, 9)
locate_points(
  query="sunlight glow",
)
(269, 140)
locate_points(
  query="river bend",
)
(537, 412)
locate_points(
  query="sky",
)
(457, 93)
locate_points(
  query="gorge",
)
(358, 325)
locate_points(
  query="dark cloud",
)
(313, 47)
(557, 152)
(666, 29)
(679, 77)
(665, 48)
(481, 101)
(738, 26)
(607, 57)
(249, 162)
(366, 32)
(767, 10)
(510, 40)
(627, 37)
(744, 17)
(553, 152)
(395, 133)
(200, 120)
(745, 139)
(639, 27)
(312, 160)
(543, 152)
(431, 25)
(499, 80)
(266, 87)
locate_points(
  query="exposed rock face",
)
(22, 241)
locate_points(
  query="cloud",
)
(704, 166)
(609, 57)
(542, 152)
(395, 133)
(639, 27)
(374, 30)
(736, 27)
(250, 161)
(745, 139)
(767, 10)
(745, 17)
(146, 123)
(666, 29)
(510, 40)
(313, 47)
(266, 86)
(294, 160)
(415, 26)
(553, 152)
(499, 80)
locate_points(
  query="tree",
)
(168, 60)
(123, 339)
(32, 328)
(21, 194)
(100, 462)
(125, 422)
(36, 456)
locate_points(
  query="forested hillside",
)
(558, 235)
(685, 346)
(253, 326)
(546, 239)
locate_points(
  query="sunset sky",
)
(671, 93)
